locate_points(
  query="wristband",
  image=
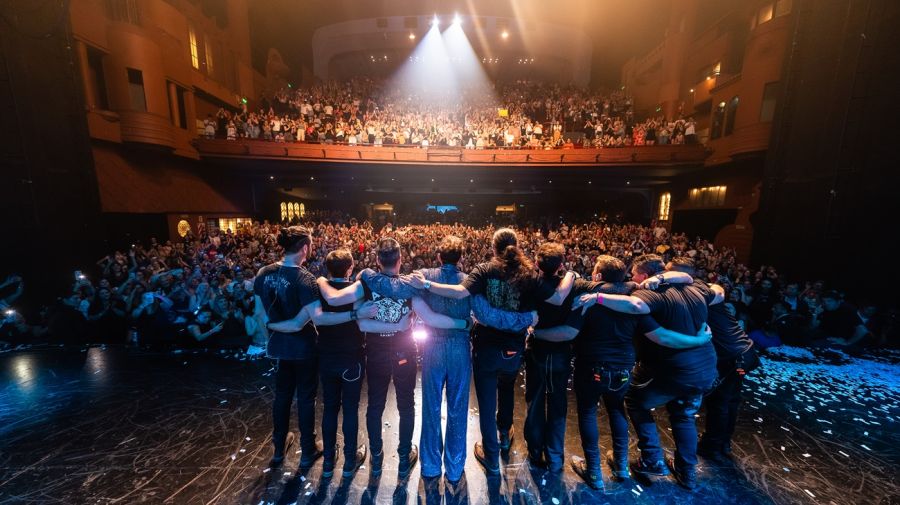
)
(599, 299)
(427, 285)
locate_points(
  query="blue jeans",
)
(446, 361)
(495, 379)
(682, 402)
(593, 381)
(546, 379)
(390, 359)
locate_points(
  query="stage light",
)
(457, 20)
(504, 35)
(435, 21)
(692, 90)
(412, 36)
(420, 334)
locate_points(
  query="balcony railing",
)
(663, 155)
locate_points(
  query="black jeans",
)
(595, 380)
(682, 402)
(300, 377)
(722, 406)
(387, 359)
(342, 380)
(546, 378)
(495, 370)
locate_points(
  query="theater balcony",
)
(662, 156)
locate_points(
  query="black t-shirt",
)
(608, 336)
(729, 339)
(521, 296)
(284, 291)
(551, 316)
(339, 340)
(682, 308)
(840, 323)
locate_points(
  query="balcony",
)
(668, 155)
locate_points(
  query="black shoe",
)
(481, 458)
(278, 458)
(712, 453)
(654, 469)
(537, 460)
(352, 465)
(375, 463)
(328, 468)
(591, 475)
(507, 438)
(685, 476)
(619, 466)
(407, 462)
(308, 460)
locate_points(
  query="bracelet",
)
(427, 285)
(599, 299)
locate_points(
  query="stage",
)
(102, 425)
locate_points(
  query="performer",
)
(282, 290)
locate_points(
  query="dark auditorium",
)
(493, 252)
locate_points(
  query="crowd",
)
(198, 291)
(523, 114)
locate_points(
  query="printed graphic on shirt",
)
(389, 309)
(502, 295)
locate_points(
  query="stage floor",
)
(115, 425)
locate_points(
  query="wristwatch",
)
(427, 285)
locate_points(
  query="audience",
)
(523, 114)
(199, 291)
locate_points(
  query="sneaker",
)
(278, 458)
(619, 466)
(308, 460)
(507, 438)
(328, 467)
(375, 463)
(408, 462)
(685, 476)
(590, 474)
(482, 458)
(352, 465)
(654, 469)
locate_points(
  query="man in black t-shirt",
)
(676, 378)
(341, 370)
(838, 322)
(735, 357)
(283, 291)
(548, 365)
(605, 355)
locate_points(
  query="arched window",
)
(302, 210)
(284, 211)
(665, 201)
